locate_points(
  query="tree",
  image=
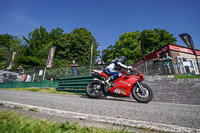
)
(127, 45)
(155, 39)
(37, 47)
(73, 46)
(60, 40)
(69, 46)
(81, 41)
(8, 43)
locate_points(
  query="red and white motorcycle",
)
(129, 83)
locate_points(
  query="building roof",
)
(165, 48)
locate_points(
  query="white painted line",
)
(97, 118)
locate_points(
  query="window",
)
(191, 66)
(180, 65)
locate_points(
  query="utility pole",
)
(91, 55)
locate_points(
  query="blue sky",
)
(105, 19)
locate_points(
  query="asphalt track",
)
(161, 116)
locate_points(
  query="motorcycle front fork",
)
(140, 87)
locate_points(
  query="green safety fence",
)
(74, 84)
(19, 84)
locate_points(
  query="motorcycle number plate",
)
(117, 91)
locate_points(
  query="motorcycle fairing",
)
(100, 72)
(124, 85)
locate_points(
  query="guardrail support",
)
(44, 73)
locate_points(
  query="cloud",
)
(22, 18)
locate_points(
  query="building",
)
(184, 61)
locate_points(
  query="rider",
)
(113, 68)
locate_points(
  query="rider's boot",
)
(107, 81)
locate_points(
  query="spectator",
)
(74, 69)
(156, 64)
(166, 63)
(21, 72)
(100, 64)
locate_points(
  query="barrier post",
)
(66, 72)
(44, 73)
(1, 78)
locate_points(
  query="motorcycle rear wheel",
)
(94, 89)
(142, 97)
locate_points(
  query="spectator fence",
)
(177, 66)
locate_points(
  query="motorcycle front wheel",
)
(143, 95)
(94, 89)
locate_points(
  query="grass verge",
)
(13, 122)
(45, 90)
(187, 76)
(32, 109)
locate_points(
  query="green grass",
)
(18, 107)
(45, 90)
(11, 122)
(186, 76)
(32, 109)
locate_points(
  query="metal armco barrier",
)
(74, 84)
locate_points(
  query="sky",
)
(105, 19)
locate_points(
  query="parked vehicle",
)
(129, 83)
(8, 76)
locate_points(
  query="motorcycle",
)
(129, 83)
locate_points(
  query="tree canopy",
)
(34, 50)
(128, 46)
(155, 39)
(76, 45)
(8, 43)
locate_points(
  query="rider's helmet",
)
(122, 59)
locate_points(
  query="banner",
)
(188, 41)
(10, 62)
(49, 63)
